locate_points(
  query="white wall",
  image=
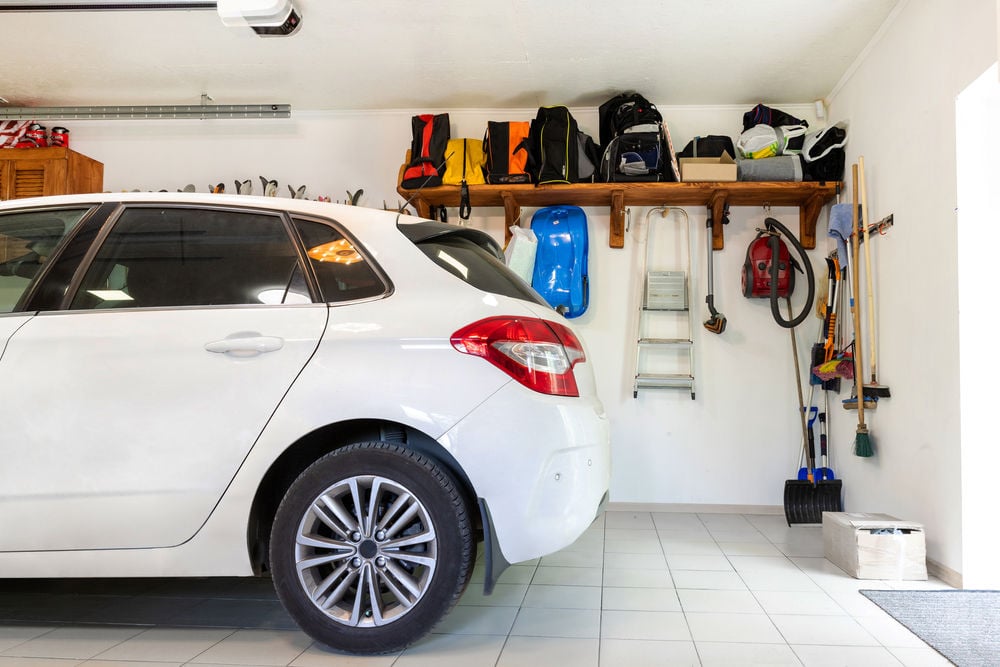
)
(900, 102)
(978, 144)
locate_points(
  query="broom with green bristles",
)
(862, 441)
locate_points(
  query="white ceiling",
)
(441, 54)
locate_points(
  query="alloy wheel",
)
(366, 551)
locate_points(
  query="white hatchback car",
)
(342, 398)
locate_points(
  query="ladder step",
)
(666, 290)
(663, 380)
(665, 310)
(682, 342)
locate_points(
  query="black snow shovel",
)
(807, 499)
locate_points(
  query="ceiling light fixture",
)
(268, 18)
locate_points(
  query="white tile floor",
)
(636, 590)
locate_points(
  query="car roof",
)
(417, 230)
(275, 203)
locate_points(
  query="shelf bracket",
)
(423, 208)
(617, 239)
(511, 214)
(717, 209)
(808, 215)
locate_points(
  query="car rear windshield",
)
(469, 261)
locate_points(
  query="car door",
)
(27, 238)
(130, 407)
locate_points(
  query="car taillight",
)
(538, 354)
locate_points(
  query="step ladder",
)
(664, 351)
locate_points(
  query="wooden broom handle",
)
(868, 267)
(858, 381)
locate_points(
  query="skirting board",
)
(944, 573)
(694, 508)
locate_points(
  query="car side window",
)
(27, 239)
(163, 257)
(341, 270)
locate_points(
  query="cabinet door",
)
(33, 178)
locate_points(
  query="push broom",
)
(873, 388)
(862, 441)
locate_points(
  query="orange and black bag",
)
(506, 148)
(430, 137)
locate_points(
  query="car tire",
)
(413, 554)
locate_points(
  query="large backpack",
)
(635, 143)
(427, 164)
(765, 115)
(506, 145)
(464, 162)
(558, 151)
(627, 112)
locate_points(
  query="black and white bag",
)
(635, 142)
(823, 155)
(634, 156)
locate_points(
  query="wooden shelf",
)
(809, 196)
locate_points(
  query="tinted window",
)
(26, 242)
(343, 274)
(470, 262)
(157, 257)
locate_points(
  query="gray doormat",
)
(963, 626)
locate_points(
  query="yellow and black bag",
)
(506, 147)
(464, 162)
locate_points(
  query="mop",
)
(862, 441)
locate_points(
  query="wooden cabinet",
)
(37, 172)
(809, 196)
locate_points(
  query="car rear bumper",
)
(542, 463)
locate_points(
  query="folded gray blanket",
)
(779, 168)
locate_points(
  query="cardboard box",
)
(875, 546)
(721, 168)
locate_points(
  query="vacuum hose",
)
(771, 225)
(716, 322)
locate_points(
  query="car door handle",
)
(243, 345)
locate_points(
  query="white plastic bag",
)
(763, 141)
(520, 252)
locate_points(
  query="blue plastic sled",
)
(560, 274)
